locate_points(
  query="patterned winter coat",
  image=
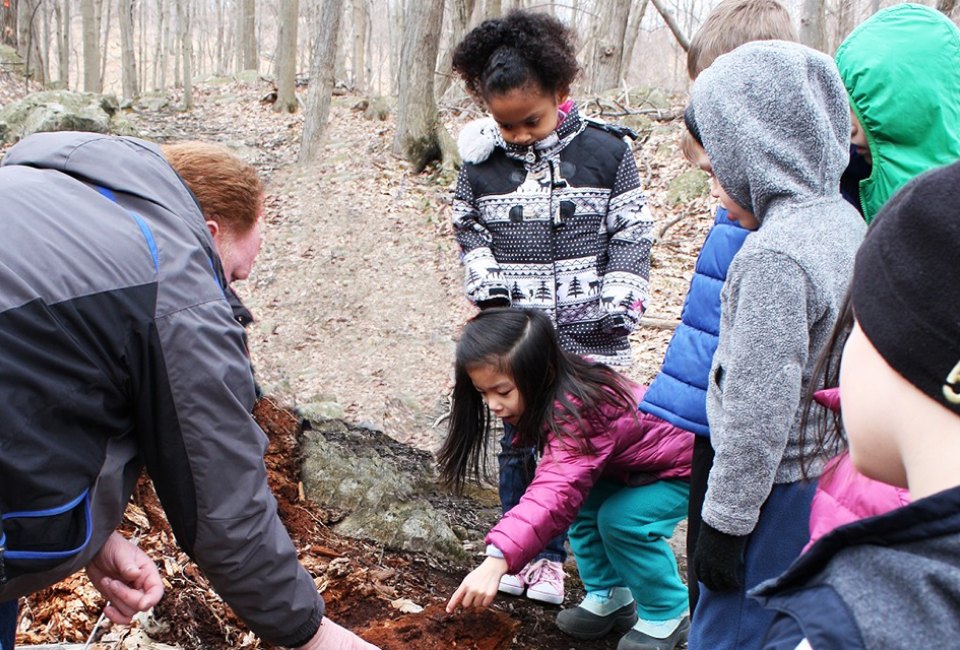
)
(627, 448)
(562, 226)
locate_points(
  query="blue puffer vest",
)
(678, 393)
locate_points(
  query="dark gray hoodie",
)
(775, 123)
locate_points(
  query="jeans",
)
(8, 624)
(516, 471)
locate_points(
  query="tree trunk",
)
(608, 46)
(462, 13)
(105, 52)
(63, 42)
(91, 46)
(28, 41)
(247, 38)
(493, 9)
(813, 24)
(128, 61)
(321, 80)
(671, 22)
(186, 49)
(633, 31)
(8, 22)
(287, 57)
(360, 20)
(417, 136)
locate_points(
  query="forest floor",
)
(358, 299)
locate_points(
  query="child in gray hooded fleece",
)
(774, 122)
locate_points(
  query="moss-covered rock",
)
(691, 184)
(384, 486)
(62, 110)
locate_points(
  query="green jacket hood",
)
(901, 69)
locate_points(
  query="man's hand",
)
(127, 578)
(718, 559)
(480, 586)
(331, 636)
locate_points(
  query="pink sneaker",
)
(544, 580)
(512, 584)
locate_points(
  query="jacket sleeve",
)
(482, 278)
(550, 503)
(755, 384)
(629, 224)
(204, 453)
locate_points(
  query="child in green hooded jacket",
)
(901, 69)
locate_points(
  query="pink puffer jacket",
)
(628, 447)
(843, 494)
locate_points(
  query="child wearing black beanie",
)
(893, 581)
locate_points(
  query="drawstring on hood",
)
(775, 124)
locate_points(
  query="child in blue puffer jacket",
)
(678, 394)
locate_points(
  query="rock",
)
(689, 185)
(152, 101)
(61, 110)
(377, 108)
(383, 484)
(317, 411)
(252, 77)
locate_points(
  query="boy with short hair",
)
(773, 120)
(733, 23)
(678, 394)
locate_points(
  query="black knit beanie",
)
(906, 284)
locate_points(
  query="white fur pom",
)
(477, 140)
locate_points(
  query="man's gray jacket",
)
(118, 350)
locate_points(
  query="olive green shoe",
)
(637, 640)
(583, 624)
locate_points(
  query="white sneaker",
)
(544, 580)
(512, 584)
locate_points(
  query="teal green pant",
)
(619, 539)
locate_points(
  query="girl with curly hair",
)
(549, 215)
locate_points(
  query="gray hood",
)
(135, 167)
(775, 123)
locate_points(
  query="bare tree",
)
(813, 31)
(128, 62)
(671, 22)
(287, 57)
(186, 45)
(105, 23)
(610, 29)
(321, 80)
(462, 13)
(247, 37)
(62, 17)
(630, 40)
(361, 20)
(8, 23)
(91, 46)
(419, 135)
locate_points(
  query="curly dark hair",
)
(515, 51)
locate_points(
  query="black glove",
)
(496, 297)
(718, 558)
